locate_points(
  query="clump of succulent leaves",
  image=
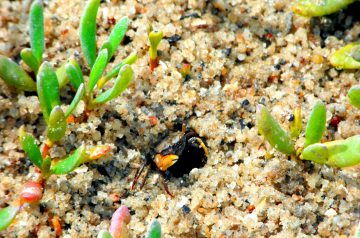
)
(13, 74)
(118, 226)
(341, 153)
(347, 57)
(48, 83)
(98, 62)
(56, 120)
(17, 77)
(33, 190)
(338, 153)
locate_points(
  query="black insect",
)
(176, 156)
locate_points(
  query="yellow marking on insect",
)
(202, 145)
(166, 161)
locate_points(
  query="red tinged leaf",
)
(98, 151)
(120, 218)
(32, 192)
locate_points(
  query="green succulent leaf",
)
(7, 216)
(316, 125)
(117, 34)
(311, 8)
(98, 69)
(88, 31)
(36, 18)
(344, 153)
(344, 57)
(78, 96)
(339, 153)
(115, 71)
(70, 163)
(61, 75)
(354, 96)
(57, 124)
(29, 58)
(154, 38)
(45, 169)
(28, 144)
(104, 234)
(74, 73)
(47, 89)
(121, 83)
(107, 45)
(318, 153)
(154, 230)
(15, 76)
(272, 131)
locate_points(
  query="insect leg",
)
(137, 175)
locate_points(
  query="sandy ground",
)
(242, 53)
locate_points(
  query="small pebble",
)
(241, 57)
(185, 209)
(173, 39)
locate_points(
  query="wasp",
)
(175, 156)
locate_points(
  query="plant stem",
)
(154, 63)
(47, 146)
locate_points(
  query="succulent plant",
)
(98, 62)
(17, 77)
(118, 226)
(64, 166)
(316, 8)
(32, 191)
(48, 84)
(12, 73)
(339, 153)
(347, 57)
(49, 96)
(154, 38)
